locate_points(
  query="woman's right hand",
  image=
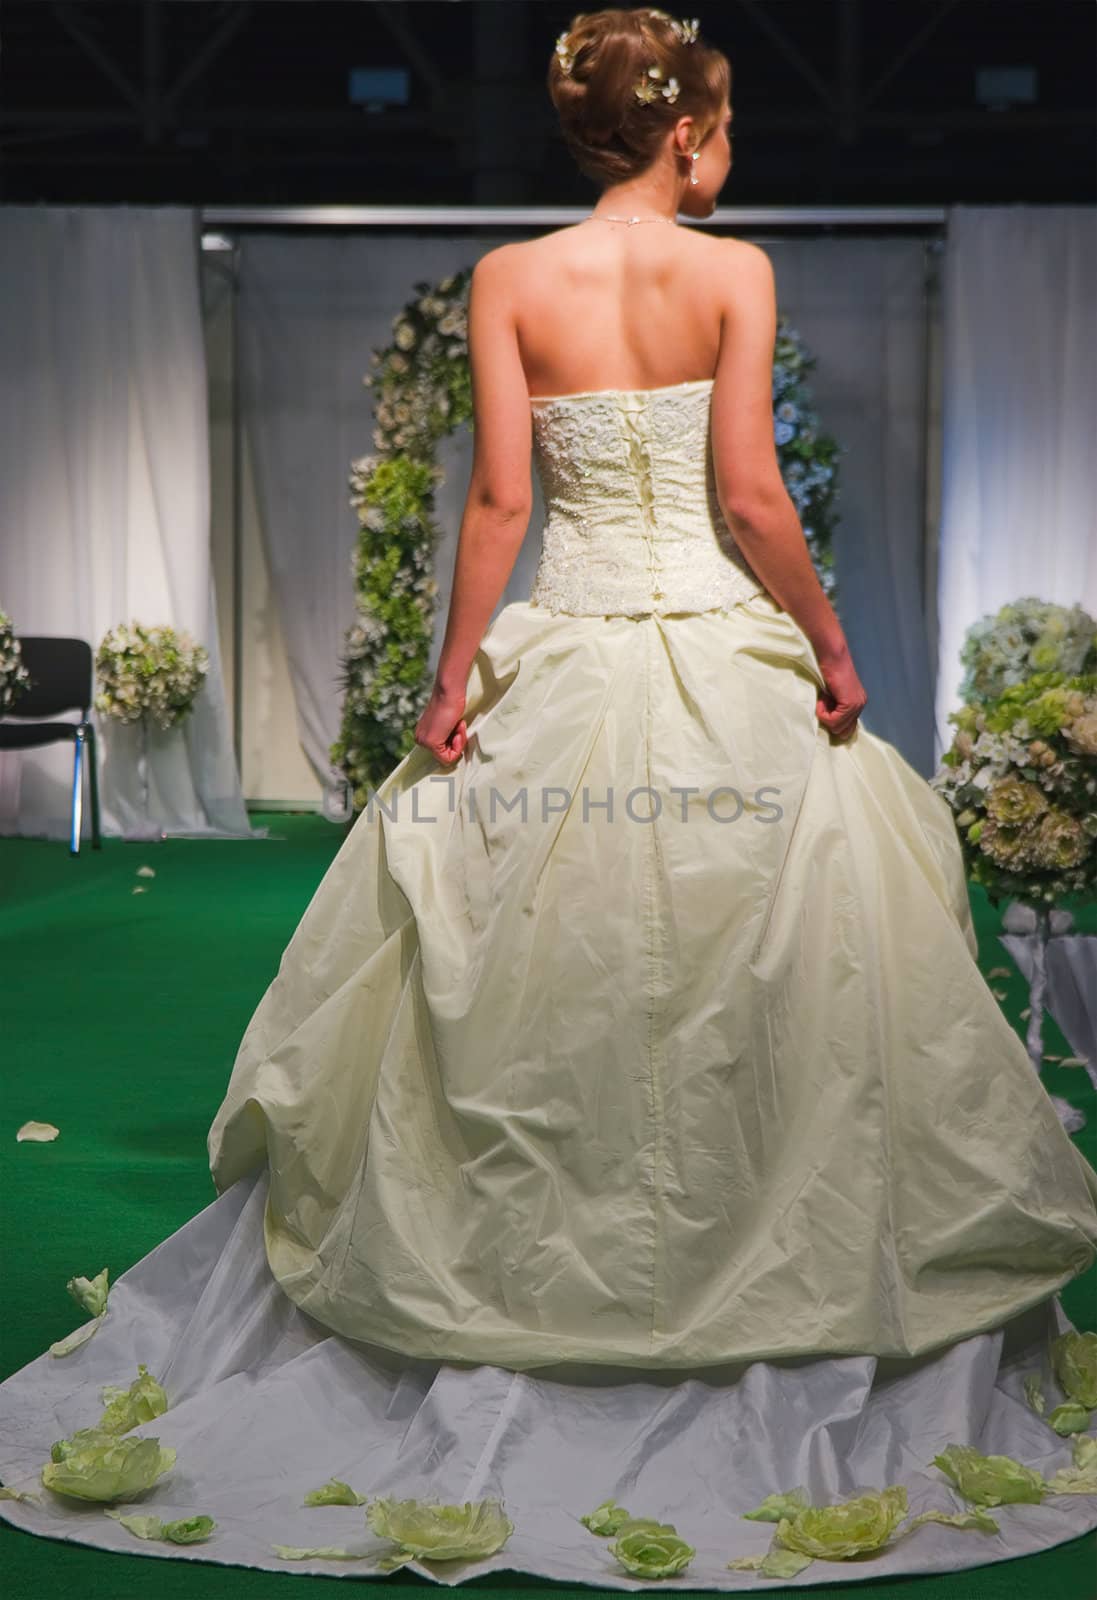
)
(845, 697)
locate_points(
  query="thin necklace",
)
(605, 217)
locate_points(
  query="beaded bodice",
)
(632, 519)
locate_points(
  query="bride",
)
(628, 1118)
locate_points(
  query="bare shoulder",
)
(497, 263)
(751, 262)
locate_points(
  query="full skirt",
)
(628, 1118)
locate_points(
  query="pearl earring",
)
(693, 176)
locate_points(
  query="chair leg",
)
(77, 794)
(93, 776)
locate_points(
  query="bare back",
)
(600, 306)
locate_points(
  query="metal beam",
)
(396, 23)
(152, 53)
(220, 37)
(764, 20)
(911, 48)
(91, 46)
(219, 216)
(1016, 119)
(847, 92)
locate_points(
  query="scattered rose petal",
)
(334, 1493)
(91, 1293)
(322, 1552)
(65, 1347)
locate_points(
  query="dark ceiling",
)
(856, 102)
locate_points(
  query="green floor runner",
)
(120, 1015)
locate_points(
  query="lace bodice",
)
(632, 520)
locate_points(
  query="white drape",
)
(104, 493)
(311, 310)
(1019, 470)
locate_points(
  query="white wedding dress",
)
(667, 1147)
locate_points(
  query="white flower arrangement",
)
(148, 672)
(1025, 637)
(1021, 778)
(14, 677)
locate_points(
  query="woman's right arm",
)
(752, 495)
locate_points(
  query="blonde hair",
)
(610, 133)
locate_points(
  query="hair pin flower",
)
(647, 91)
(686, 30)
(563, 55)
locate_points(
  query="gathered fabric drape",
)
(104, 494)
(1019, 471)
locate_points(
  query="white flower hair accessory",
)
(564, 56)
(647, 91)
(685, 29)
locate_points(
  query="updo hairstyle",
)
(611, 133)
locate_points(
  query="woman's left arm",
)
(499, 500)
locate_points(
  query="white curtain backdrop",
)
(104, 493)
(312, 309)
(1019, 469)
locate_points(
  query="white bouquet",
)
(153, 672)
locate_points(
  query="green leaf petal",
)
(1081, 1478)
(776, 1506)
(391, 1563)
(65, 1347)
(116, 1469)
(145, 1527)
(141, 1402)
(978, 1518)
(322, 1552)
(784, 1563)
(1070, 1417)
(1034, 1394)
(650, 1549)
(1074, 1357)
(442, 1532)
(605, 1518)
(91, 1293)
(334, 1493)
(990, 1480)
(189, 1530)
(836, 1532)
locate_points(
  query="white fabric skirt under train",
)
(266, 1405)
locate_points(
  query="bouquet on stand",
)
(148, 674)
(1021, 775)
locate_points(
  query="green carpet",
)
(121, 1015)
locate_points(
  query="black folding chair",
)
(62, 674)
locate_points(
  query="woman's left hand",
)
(441, 729)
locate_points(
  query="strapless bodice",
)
(632, 519)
